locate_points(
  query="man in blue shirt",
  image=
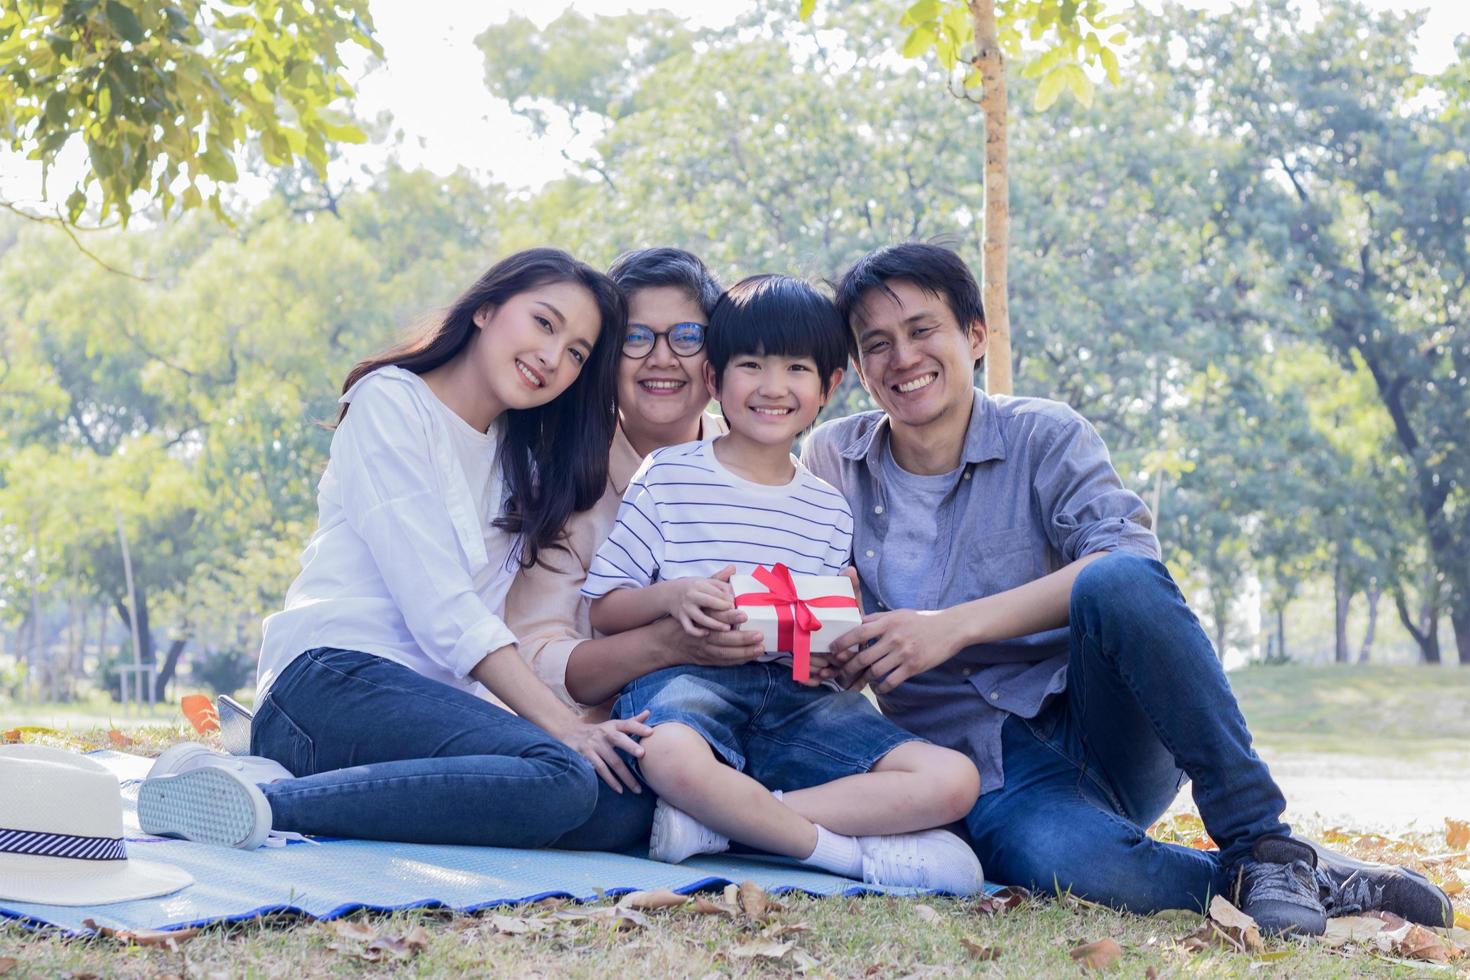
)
(1018, 612)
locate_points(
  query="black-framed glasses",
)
(685, 339)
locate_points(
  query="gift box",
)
(796, 613)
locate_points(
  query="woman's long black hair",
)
(555, 456)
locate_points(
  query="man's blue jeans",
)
(1147, 705)
(384, 753)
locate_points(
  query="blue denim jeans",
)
(1147, 705)
(383, 753)
(782, 734)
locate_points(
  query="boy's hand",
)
(691, 601)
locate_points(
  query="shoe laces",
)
(1272, 881)
(896, 860)
(1357, 893)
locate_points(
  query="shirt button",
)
(869, 552)
(967, 474)
(967, 671)
(995, 695)
(878, 509)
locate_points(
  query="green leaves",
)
(134, 82)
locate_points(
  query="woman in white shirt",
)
(458, 457)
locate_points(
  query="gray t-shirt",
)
(906, 566)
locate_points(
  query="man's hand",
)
(905, 642)
(695, 602)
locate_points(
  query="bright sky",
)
(433, 85)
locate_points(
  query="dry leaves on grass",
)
(200, 712)
(1097, 956)
(649, 901)
(1004, 900)
(7, 963)
(1228, 928)
(363, 942)
(170, 938)
(979, 951)
(1186, 829)
(928, 913)
(1457, 834)
(753, 901)
(118, 739)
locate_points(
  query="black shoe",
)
(1348, 887)
(1277, 886)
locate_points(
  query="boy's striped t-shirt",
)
(685, 515)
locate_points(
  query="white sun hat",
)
(61, 834)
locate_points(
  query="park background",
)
(1239, 244)
(1246, 262)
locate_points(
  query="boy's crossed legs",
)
(810, 773)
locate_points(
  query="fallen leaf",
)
(878, 968)
(732, 894)
(619, 918)
(509, 925)
(705, 906)
(979, 951)
(1453, 886)
(1351, 929)
(785, 929)
(7, 963)
(394, 946)
(760, 951)
(1462, 920)
(1418, 943)
(1457, 834)
(804, 962)
(1003, 900)
(12, 737)
(662, 898)
(200, 712)
(1237, 925)
(143, 937)
(1151, 974)
(355, 931)
(1097, 956)
(752, 900)
(118, 739)
(928, 913)
(418, 939)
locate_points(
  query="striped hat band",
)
(62, 845)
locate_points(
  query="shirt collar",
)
(623, 460)
(983, 439)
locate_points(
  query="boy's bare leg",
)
(915, 787)
(682, 769)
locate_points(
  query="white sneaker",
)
(210, 804)
(677, 836)
(188, 756)
(933, 859)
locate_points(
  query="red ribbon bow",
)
(795, 621)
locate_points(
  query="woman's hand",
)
(599, 745)
(692, 601)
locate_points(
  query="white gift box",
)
(835, 620)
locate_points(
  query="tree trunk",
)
(993, 103)
(166, 671)
(1342, 598)
(1281, 633)
(1425, 632)
(1460, 623)
(146, 652)
(1373, 594)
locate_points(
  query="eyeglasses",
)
(685, 339)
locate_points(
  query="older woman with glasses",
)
(661, 402)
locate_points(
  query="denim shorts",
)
(758, 720)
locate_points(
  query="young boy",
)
(743, 752)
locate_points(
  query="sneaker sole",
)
(210, 806)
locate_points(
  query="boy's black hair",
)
(933, 268)
(781, 316)
(647, 268)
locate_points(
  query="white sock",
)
(837, 853)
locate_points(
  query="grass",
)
(1345, 709)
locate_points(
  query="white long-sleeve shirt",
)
(404, 563)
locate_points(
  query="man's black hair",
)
(932, 268)
(646, 268)
(782, 316)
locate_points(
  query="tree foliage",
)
(165, 93)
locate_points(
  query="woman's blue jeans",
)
(1147, 705)
(383, 753)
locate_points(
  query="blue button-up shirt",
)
(1035, 490)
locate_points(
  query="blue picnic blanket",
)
(333, 878)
